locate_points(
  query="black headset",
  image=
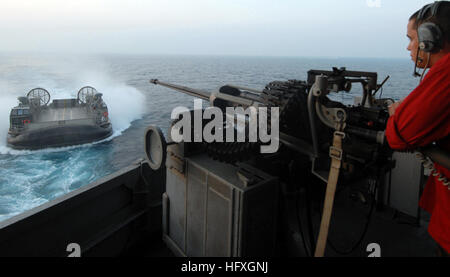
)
(429, 33)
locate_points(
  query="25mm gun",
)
(307, 115)
(309, 123)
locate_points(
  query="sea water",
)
(31, 178)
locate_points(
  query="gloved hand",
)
(393, 107)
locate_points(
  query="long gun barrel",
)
(190, 91)
(234, 95)
(243, 96)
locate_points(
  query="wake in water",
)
(125, 104)
(30, 178)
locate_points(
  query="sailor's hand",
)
(393, 107)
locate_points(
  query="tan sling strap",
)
(336, 158)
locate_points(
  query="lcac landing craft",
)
(36, 124)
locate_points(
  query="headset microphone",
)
(416, 74)
(418, 60)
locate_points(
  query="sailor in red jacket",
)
(424, 116)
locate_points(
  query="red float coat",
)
(422, 118)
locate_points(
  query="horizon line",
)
(18, 52)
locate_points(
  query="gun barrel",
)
(186, 90)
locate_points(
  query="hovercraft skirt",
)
(59, 136)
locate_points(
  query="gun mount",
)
(307, 120)
(305, 109)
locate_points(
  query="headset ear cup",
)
(426, 47)
(423, 46)
(430, 37)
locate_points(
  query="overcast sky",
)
(319, 28)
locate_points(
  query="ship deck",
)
(397, 234)
(114, 217)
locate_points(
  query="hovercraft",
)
(36, 124)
